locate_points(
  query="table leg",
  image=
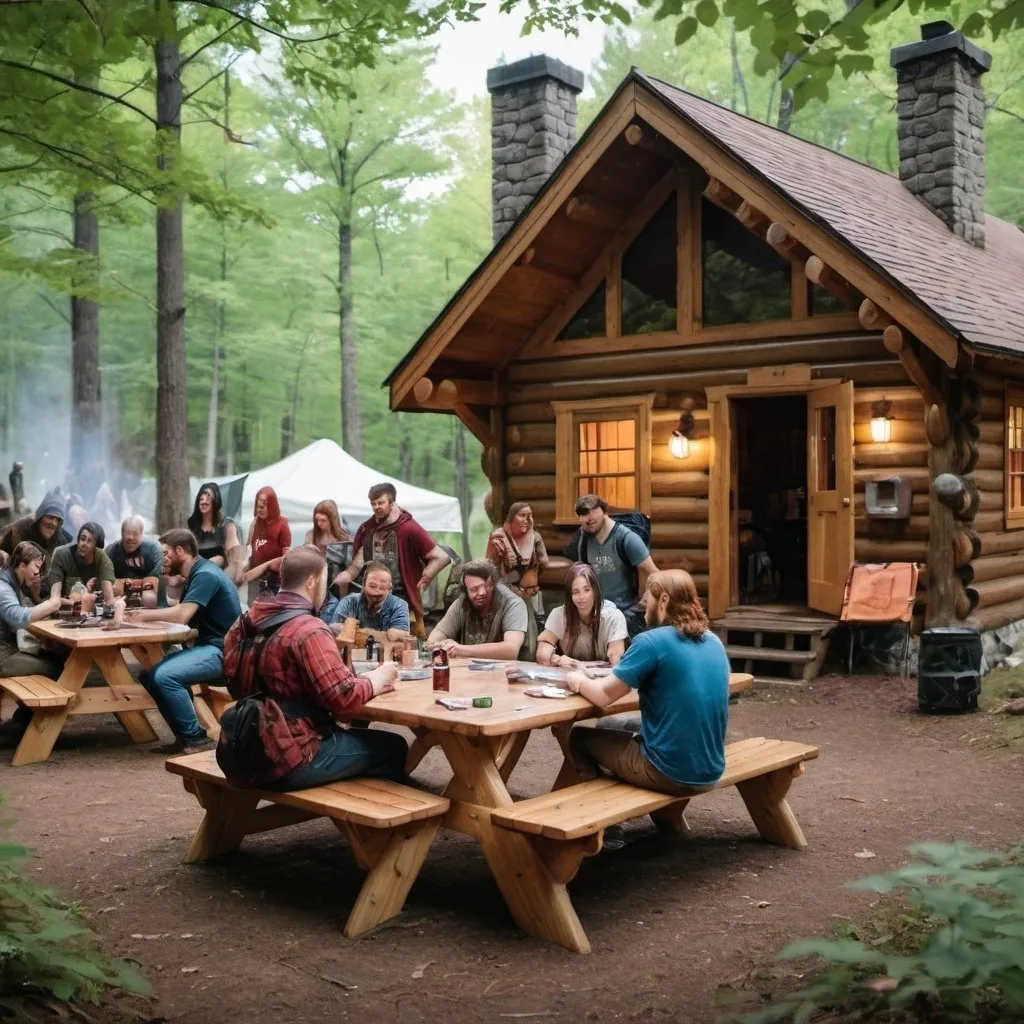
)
(567, 774)
(45, 727)
(112, 664)
(507, 750)
(539, 904)
(425, 742)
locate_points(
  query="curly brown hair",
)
(684, 610)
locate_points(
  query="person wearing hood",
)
(22, 574)
(44, 528)
(393, 537)
(83, 562)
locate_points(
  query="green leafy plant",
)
(46, 948)
(968, 962)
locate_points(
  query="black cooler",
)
(949, 670)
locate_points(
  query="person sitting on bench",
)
(680, 670)
(17, 579)
(281, 648)
(375, 606)
(486, 621)
(586, 627)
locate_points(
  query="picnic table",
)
(482, 746)
(51, 703)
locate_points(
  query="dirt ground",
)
(257, 937)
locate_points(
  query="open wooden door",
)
(723, 580)
(829, 495)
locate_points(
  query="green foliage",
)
(44, 946)
(971, 957)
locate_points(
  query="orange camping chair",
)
(877, 595)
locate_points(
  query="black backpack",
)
(240, 750)
(637, 522)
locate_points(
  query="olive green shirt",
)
(66, 569)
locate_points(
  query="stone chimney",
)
(941, 108)
(533, 125)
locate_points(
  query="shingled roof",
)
(978, 293)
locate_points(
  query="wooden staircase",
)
(776, 644)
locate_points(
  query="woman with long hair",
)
(331, 538)
(680, 671)
(270, 539)
(215, 533)
(586, 627)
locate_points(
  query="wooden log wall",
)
(679, 488)
(996, 570)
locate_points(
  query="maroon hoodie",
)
(414, 544)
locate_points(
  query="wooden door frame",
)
(771, 381)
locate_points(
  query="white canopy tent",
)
(323, 469)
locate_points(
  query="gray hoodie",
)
(27, 528)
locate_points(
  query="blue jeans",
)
(350, 752)
(170, 685)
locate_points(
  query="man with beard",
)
(393, 537)
(376, 607)
(209, 604)
(135, 558)
(44, 529)
(487, 621)
(680, 671)
(83, 562)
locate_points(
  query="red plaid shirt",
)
(300, 661)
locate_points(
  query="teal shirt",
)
(208, 587)
(683, 686)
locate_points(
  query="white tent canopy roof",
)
(323, 469)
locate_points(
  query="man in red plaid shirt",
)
(299, 667)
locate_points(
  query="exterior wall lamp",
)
(881, 422)
(679, 443)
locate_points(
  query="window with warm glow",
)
(603, 447)
(1014, 470)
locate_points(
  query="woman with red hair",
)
(269, 541)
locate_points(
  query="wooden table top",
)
(95, 636)
(413, 703)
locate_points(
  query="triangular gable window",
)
(745, 280)
(650, 275)
(823, 301)
(588, 321)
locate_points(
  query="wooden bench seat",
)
(36, 691)
(568, 824)
(389, 826)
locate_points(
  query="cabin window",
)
(650, 277)
(1014, 473)
(588, 321)
(745, 280)
(603, 447)
(820, 301)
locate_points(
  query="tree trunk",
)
(216, 385)
(462, 486)
(86, 416)
(785, 119)
(171, 399)
(405, 451)
(351, 421)
(739, 83)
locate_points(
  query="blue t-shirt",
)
(392, 614)
(208, 587)
(617, 577)
(683, 687)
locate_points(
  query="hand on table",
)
(383, 678)
(396, 634)
(564, 661)
(574, 680)
(449, 645)
(51, 604)
(119, 613)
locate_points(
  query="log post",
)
(872, 317)
(821, 274)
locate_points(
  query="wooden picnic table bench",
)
(389, 826)
(568, 824)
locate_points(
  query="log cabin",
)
(792, 361)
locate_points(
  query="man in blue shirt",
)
(616, 554)
(209, 604)
(375, 608)
(681, 672)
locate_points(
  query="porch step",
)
(769, 654)
(755, 639)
